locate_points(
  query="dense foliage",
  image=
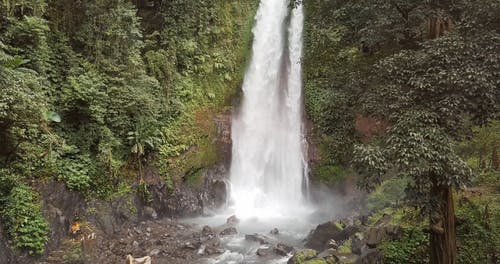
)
(406, 83)
(92, 92)
(26, 225)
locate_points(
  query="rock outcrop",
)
(348, 241)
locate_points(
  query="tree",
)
(427, 94)
(423, 67)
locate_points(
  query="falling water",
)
(268, 169)
(268, 166)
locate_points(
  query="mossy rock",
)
(317, 261)
(303, 256)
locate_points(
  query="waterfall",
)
(268, 167)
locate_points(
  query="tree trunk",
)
(442, 235)
(495, 159)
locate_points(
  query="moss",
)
(339, 225)
(345, 248)
(304, 255)
(330, 174)
(396, 214)
(189, 147)
(316, 261)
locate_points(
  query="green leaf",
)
(52, 116)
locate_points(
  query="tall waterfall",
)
(268, 169)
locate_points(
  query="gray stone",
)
(207, 231)
(375, 235)
(283, 249)
(233, 220)
(229, 231)
(257, 238)
(319, 237)
(264, 252)
(371, 256)
(135, 244)
(155, 252)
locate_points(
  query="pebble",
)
(135, 244)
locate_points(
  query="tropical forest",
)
(250, 131)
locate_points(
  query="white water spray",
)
(268, 168)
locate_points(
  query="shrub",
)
(478, 231)
(24, 222)
(410, 249)
(389, 193)
(75, 173)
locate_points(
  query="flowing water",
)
(268, 164)
(269, 182)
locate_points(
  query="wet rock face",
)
(215, 191)
(60, 206)
(112, 215)
(187, 201)
(5, 253)
(223, 139)
(318, 239)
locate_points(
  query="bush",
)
(330, 174)
(75, 173)
(389, 193)
(410, 249)
(24, 222)
(478, 233)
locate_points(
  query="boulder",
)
(301, 256)
(370, 256)
(232, 220)
(358, 244)
(318, 239)
(275, 231)
(257, 238)
(229, 231)
(207, 231)
(316, 261)
(375, 235)
(149, 213)
(326, 253)
(214, 249)
(345, 257)
(283, 249)
(333, 244)
(264, 252)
